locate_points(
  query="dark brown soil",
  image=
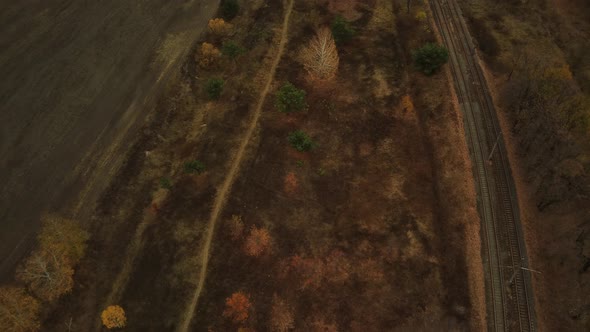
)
(386, 239)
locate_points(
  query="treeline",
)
(551, 118)
(45, 276)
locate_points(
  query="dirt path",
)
(233, 172)
(135, 246)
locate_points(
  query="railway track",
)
(508, 281)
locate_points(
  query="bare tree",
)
(70, 324)
(320, 56)
(48, 274)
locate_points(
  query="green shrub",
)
(232, 50)
(430, 57)
(342, 30)
(165, 183)
(229, 9)
(194, 166)
(214, 87)
(290, 99)
(301, 141)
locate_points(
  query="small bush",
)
(232, 50)
(113, 317)
(219, 27)
(214, 87)
(430, 57)
(290, 99)
(421, 16)
(301, 141)
(165, 183)
(342, 31)
(237, 307)
(229, 9)
(236, 227)
(257, 242)
(207, 55)
(194, 166)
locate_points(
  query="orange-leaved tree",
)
(257, 242)
(237, 307)
(281, 315)
(320, 56)
(113, 317)
(208, 55)
(48, 273)
(219, 27)
(19, 312)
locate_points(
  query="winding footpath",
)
(225, 189)
(510, 303)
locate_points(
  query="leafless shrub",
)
(236, 227)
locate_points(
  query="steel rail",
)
(497, 204)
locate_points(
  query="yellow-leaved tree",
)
(113, 317)
(219, 27)
(208, 55)
(65, 236)
(19, 312)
